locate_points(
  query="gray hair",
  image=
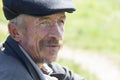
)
(19, 21)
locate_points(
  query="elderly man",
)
(36, 29)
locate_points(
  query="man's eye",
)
(44, 23)
(61, 22)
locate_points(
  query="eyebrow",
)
(64, 17)
(47, 17)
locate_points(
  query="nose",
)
(56, 31)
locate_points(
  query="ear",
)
(14, 32)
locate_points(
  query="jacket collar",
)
(12, 49)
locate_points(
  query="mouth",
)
(53, 50)
(53, 45)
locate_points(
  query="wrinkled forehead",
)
(60, 15)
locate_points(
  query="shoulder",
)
(8, 62)
(12, 69)
(69, 75)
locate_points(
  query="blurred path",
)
(3, 27)
(96, 63)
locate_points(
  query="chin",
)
(51, 60)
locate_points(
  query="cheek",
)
(35, 35)
(41, 32)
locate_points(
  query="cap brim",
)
(37, 7)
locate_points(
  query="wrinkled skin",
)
(42, 37)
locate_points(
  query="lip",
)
(53, 50)
(53, 45)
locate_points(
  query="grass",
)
(3, 34)
(95, 25)
(78, 69)
(2, 18)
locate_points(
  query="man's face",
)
(42, 37)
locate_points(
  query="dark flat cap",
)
(13, 8)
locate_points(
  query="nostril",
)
(56, 35)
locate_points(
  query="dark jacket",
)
(14, 65)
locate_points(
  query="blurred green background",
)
(93, 26)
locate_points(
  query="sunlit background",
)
(91, 39)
